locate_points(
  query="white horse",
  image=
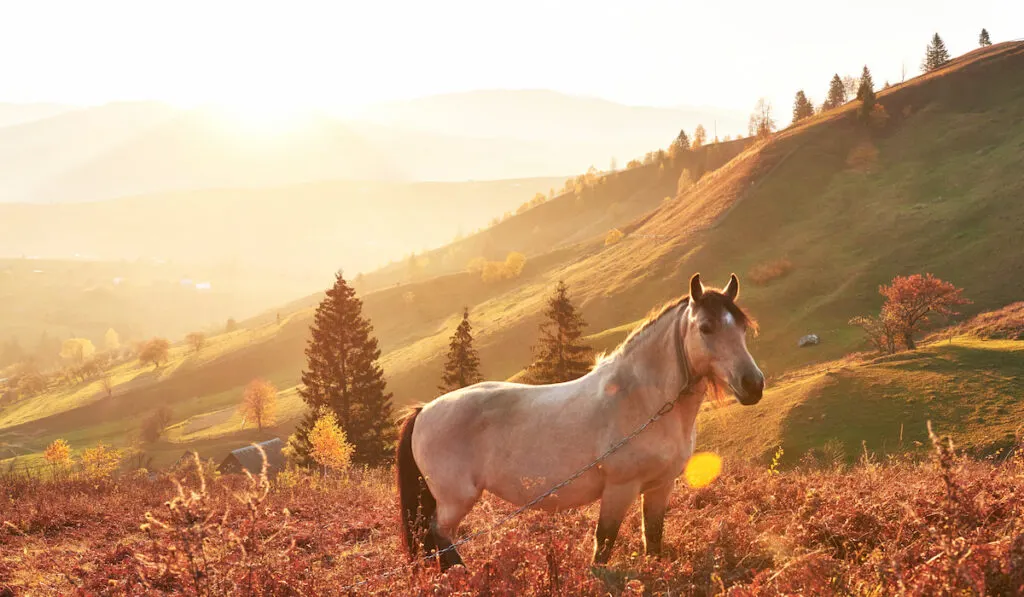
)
(517, 441)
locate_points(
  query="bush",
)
(100, 462)
(879, 117)
(58, 453)
(685, 182)
(196, 341)
(330, 447)
(155, 351)
(862, 157)
(767, 271)
(496, 271)
(613, 237)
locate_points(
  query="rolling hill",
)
(935, 189)
(132, 264)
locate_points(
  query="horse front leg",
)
(655, 502)
(615, 502)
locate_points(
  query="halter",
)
(684, 363)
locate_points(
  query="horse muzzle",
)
(751, 390)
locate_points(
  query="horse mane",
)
(712, 300)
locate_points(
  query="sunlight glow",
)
(260, 117)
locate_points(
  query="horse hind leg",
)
(445, 526)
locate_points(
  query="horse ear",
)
(732, 289)
(696, 288)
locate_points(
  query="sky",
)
(282, 56)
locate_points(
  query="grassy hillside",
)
(938, 191)
(968, 388)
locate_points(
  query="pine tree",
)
(983, 39)
(343, 376)
(802, 107)
(463, 366)
(561, 355)
(866, 95)
(866, 87)
(681, 143)
(935, 54)
(836, 94)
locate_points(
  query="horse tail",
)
(417, 505)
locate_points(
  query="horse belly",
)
(523, 489)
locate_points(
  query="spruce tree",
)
(463, 366)
(866, 86)
(935, 54)
(983, 39)
(560, 355)
(866, 94)
(343, 376)
(836, 94)
(681, 143)
(802, 107)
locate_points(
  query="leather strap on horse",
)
(684, 363)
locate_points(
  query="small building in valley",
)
(248, 459)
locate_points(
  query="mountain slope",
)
(938, 191)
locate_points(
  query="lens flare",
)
(702, 469)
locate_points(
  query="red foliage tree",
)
(910, 300)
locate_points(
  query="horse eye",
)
(705, 328)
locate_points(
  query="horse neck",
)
(653, 359)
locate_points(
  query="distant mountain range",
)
(58, 154)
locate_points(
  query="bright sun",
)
(266, 118)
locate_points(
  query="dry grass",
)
(946, 526)
(1002, 324)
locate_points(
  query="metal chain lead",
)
(664, 410)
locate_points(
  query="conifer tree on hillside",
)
(836, 94)
(983, 39)
(866, 94)
(463, 366)
(560, 355)
(681, 143)
(935, 54)
(343, 376)
(802, 107)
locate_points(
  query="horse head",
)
(714, 337)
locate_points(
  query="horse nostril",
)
(753, 385)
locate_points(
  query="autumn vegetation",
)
(910, 303)
(941, 525)
(765, 272)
